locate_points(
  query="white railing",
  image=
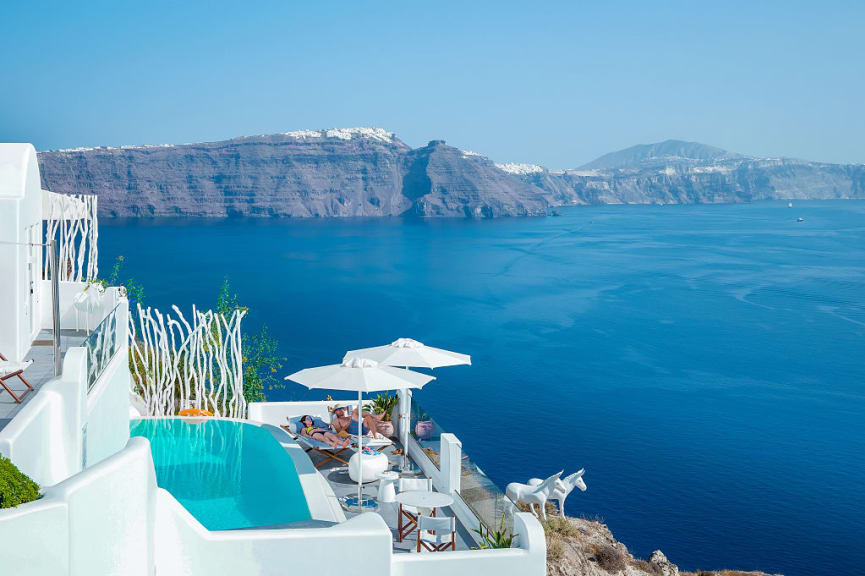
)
(101, 345)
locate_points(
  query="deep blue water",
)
(703, 363)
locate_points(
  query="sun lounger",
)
(9, 370)
(329, 452)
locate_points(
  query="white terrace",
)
(102, 511)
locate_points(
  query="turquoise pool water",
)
(227, 474)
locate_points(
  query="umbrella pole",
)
(360, 451)
(404, 425)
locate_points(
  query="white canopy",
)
(359, 375)
(411, 353)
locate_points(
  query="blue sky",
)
(550, 83)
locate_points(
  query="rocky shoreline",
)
(581, 547)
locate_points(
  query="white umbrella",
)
(361, 375)
(410, 353)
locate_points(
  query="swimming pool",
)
(227, 474)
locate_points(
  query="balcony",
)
(89, 322)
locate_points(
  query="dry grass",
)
(561, 526)
(555, 549)
(608, 558)
(644, 566)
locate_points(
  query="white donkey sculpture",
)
(563, 486)
(531, 495)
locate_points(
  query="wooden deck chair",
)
(329, 452)
(9, 370)
(407, 517)
(432, 533)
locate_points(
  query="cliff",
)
(370, 172)
(324, 173)
(579, 547)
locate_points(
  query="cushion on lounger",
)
(294, 424)
(8, 367)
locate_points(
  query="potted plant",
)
(423, 428)
(385, 404)
(500, 538)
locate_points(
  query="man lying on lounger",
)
(342, 422)
(308, 428)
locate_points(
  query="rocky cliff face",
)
(327, 173)
(370, 172)
(579, 547)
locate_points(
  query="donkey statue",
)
(534, 494)
(563, 487)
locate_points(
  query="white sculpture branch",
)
(177, 364)
(76, 231)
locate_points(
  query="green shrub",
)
(15, 487)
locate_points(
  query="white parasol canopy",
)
(409, 353)
(406, 352)
(360, 375)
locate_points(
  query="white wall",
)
(35, 539)
(20, 208)
(101, 521)
(112, 511)
(529, 559)
(70, 318)
(45, 439)
(185, 548)
(108, 400)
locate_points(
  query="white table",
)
(419, 499)
(386, 491)
(424, 499)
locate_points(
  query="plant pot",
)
(385, 428)
(423, 429)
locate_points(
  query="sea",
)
(704, 364)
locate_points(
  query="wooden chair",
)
(432, 533)
(9, 370)
(407, 517)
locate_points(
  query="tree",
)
(261, 361)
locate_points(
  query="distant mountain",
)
(677, 172)
(370, 172)
(667, 152)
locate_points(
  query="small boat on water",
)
(789, 204)
(800, 219)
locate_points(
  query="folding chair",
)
(432, 531)
(407, 517)
(9, 370)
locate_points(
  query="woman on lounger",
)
(309, 429)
